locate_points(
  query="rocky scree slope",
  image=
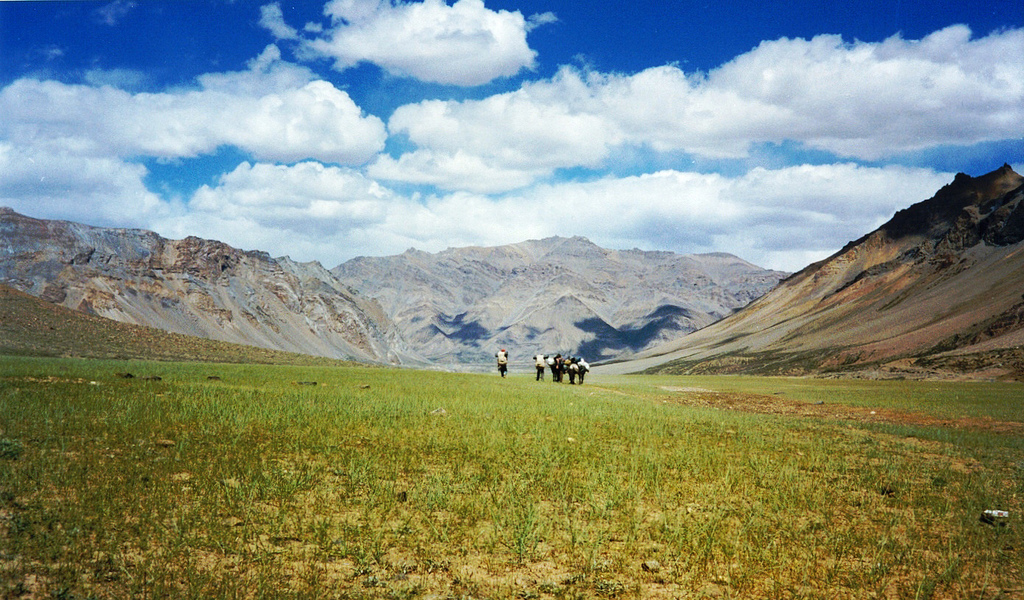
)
(196, 287)
(31, 326)
(938, 291)
(564, 295)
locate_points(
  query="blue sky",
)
(327, 130)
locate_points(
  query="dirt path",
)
(778, 405)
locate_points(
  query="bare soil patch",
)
(779, 405)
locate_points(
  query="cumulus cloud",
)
(858, 100)
(782, 218)
(309, 191)
(463, 44)
(869, 100)
(309, 211)
(275, 111)
(64, 185)
(457, 170)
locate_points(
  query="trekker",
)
(584, 367)
(502, 357)
(540, 363)
(556, 369)
(573, 369)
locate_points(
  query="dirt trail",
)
(778, 405)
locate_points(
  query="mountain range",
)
(450, 309)
(936, 291)
(564, 295)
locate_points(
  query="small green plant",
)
(10, 449)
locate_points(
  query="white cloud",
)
(308, 210)
(272, 18)
(540, 19)
(266, 74)
(461, 44)
(456, 170)
(870, 100)
(782, 218)
(62, 185)
(275, 193)
(510, 139)
(859, 100)
(274, 110)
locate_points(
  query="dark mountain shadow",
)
(471, 331)
(609, 340)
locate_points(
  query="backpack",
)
(502, 358)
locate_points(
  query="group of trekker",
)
(560, 366)
(573, 366)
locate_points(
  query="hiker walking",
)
(556, 369)
(573, 370)
(584, 367)
(540, 363)
(502, 357)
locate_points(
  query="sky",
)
(326, 130)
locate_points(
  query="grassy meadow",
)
(248, 481)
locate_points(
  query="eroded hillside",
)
(936, 291)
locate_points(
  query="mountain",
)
(30, 326)
(935, 291)
(196, 287)
(553, 295)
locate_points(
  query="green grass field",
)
(237, 481)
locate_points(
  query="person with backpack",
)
(502, 357)
(540, 362)
(584, 367)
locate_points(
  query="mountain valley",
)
(938, 291)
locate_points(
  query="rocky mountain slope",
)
(196, 287)
(938, 289)
(553, 295)
(30, 326)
